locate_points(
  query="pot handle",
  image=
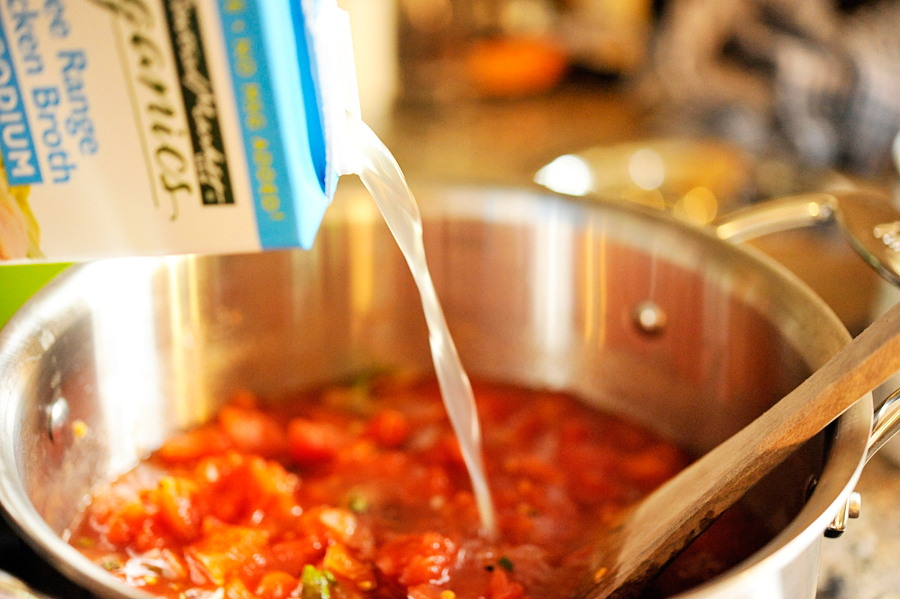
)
(777, 215)
(885, 424)
(867, 219)
(872, 226)
(13, 588)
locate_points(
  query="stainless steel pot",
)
(631, 310)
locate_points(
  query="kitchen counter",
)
(506, 141)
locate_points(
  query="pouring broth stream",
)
(385, 181)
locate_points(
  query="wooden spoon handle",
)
(676, 513)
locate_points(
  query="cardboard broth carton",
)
(147, 127)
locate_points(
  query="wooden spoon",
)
(657, 529)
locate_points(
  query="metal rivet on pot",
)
(811, 485)
(851, 510)
(853, 504)
(649, 317)
(58, 416)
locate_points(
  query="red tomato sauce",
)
(360, 491)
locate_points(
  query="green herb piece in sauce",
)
(364, 378)
(358, 503)
(506, 563)
(354, 398)
(111, 564)
(317, 584)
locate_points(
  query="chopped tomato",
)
(224, 549)
(271, 488)
(192, 445)
(503, 588)
(149, 536)
(389, 428)
(447, 449)
(253, 431)
(227, 481)
(311, 442)
(292, 555)
(341, 562)
(651, 467)
(277, 585)
(418, 559)
(438, 482)
(128, 520)
(428, 591)
(178, 507)
(236, 589)
(340, 523)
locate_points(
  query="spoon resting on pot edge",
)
(654, 532)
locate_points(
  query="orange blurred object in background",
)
(506, 67)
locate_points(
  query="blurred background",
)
(698, 107)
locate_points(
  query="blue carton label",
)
(136, 127)
(16, 143)
(259, 122)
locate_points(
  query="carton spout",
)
(333, 51)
